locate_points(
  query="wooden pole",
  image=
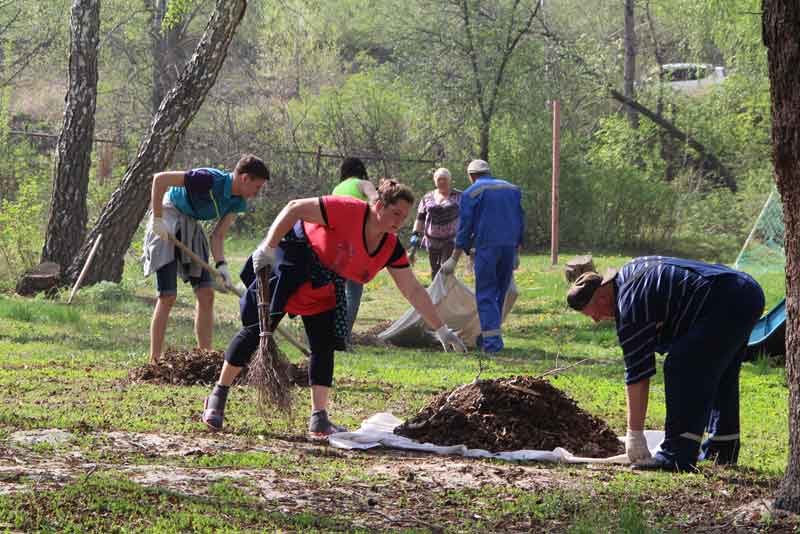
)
(85, 269)
(556, 173)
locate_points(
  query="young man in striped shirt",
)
(700, 315)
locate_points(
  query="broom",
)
(269, 370)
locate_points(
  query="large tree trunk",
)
(128, 204)
(67, 222)
(629, 74)
(781, 26)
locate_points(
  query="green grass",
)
(65, 367)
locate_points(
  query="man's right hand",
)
(160, 228)
(636, 446)
(449, 267)
(263, 256)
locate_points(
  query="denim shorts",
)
(167, 279)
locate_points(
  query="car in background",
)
(692, 79)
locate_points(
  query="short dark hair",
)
(353, 168)
(391, 191)
(253, 166)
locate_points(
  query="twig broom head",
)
(269, 369)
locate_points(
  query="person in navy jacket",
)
(700, 315)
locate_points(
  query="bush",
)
(21, 230)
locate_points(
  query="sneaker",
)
(213, 416)
(320, 427)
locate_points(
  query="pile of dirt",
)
(198, 367)
(370, 337)
(511, 414)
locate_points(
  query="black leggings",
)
(321, 337)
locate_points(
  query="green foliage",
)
(176, 11)
(38, 311)
(21, 219)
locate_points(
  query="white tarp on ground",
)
(377, 431)
(456, 305)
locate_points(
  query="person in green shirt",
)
(354, 182)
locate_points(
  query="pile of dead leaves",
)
(511, 414)
(198, 367)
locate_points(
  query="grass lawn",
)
(136, 458)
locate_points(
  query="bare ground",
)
(410, 484)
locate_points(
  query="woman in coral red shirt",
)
(314, 245)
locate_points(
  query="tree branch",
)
(723, 174)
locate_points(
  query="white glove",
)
(636, 446)
(225, 274)
(263, 256)
(449, 267)
(449, 340)
(160, 228)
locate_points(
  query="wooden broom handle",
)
(263, 299)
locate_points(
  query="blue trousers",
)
(701, 375)
(494, 267)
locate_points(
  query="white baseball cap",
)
(477, 166)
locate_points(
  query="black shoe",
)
(655, 463)
(320, 427)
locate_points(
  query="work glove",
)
(225, 274)
(415, 238)
(636, 446)
(449, 340)
(263, 256)
(160, 228)
(449, 267)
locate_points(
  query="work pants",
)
(701, 374)
(494, 267)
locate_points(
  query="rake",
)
(269, 371)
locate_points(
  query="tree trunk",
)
(128, 204)
(630, 61)
(486, 126)
(167, 53)
(67, 222)
(781, 26)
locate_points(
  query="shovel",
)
(229, 288)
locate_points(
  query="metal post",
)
(556, 173)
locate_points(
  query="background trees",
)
(441, 82)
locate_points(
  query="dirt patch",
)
(511, 414)
(370, 337)
(199, 367)
(182, 368)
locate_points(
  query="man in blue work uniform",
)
(492, 222)
(179, 199)
(701, 316)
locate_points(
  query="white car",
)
(692, 79)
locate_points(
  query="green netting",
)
(763, 251)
